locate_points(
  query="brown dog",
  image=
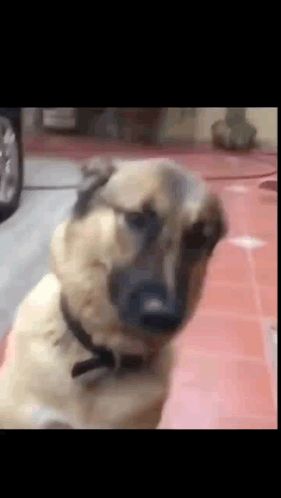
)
(92, 338)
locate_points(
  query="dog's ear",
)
(96, 173)
(216, 218)
(210, 226)
(97, 167)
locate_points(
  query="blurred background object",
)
(234, 132)
(59, 118)
(11, 160)
(238, 128)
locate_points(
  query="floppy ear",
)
(211, 223)
(96, 173)
(216, 217)
(97, 167)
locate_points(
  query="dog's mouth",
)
(150, 309)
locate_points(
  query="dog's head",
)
(136, 248)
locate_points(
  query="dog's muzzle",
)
(150, 308)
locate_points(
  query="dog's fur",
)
(37, 390)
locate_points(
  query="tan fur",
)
(36, 388)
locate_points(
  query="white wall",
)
(265, 120)
(199, 128)
(205, 118)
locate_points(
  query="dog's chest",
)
(110, 401)
(121, 398)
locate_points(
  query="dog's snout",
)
(166, 320)
(153, 305)
(154, 309)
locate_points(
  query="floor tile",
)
(245, 390)
(268, 298)
(229, 298)
(254, 423)
(232, 335)
(207, 391)
(266, 275)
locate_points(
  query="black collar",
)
(103, 357)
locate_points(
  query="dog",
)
(93, 340)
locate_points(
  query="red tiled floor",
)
(264, 227)
(265, 265)
(223, 334)
(246, 423)
(207, 390)
(226, 252)
(232, 274)
(229, 264)
(235, 216)
(190, 407)
(245, 390)
(266, 276)
(237, 299)
(268, 298)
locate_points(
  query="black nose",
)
(154, 310)
(162, 321)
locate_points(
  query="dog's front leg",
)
(48, 418)
(31, 416)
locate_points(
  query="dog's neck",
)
(101, 356)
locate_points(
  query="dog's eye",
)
(142, 220)
(137, 221)
(198, 236)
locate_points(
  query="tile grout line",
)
(224, 283)
(227, 314)
(261, 318)
(226, 356)
(254, 417)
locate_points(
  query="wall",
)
(265, 120)
(198, 128)
(176, 128)
(206, 116)
(31, 119)
(191, 128)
